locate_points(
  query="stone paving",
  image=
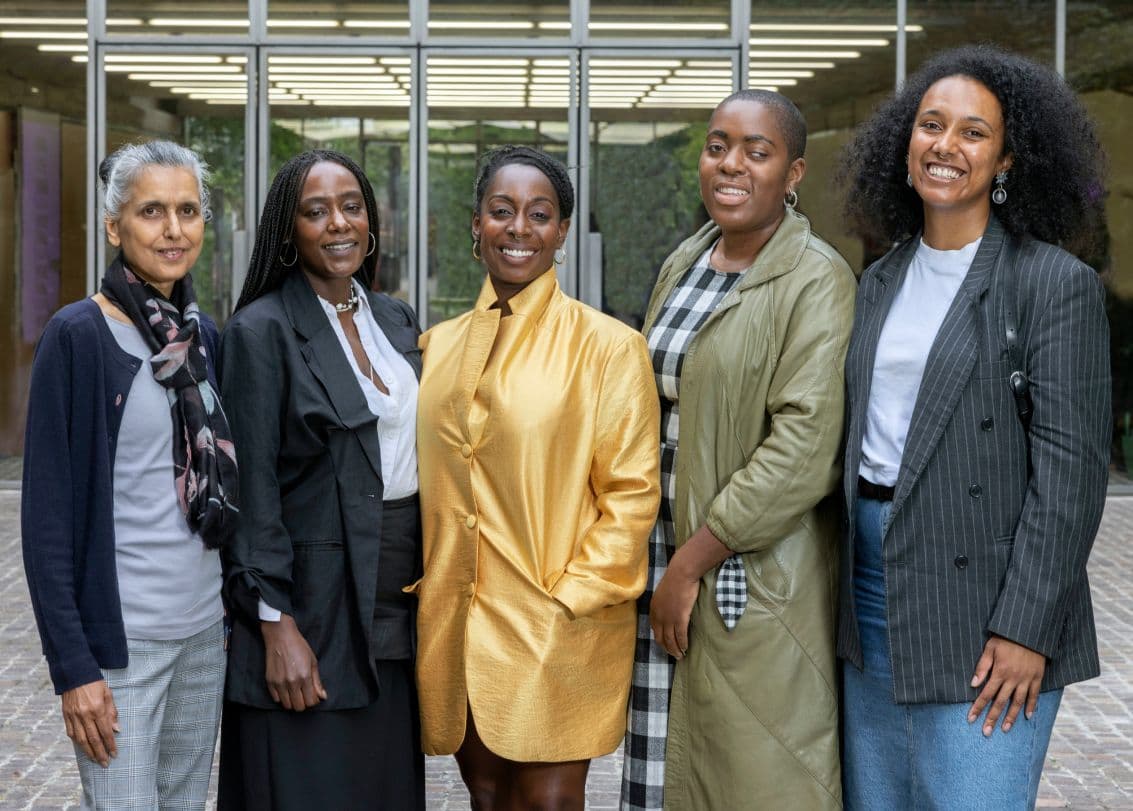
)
(1089, 766)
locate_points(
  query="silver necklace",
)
(350, 303)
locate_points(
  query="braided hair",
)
(789, 118)
(266, 271)
(1055, 184)
(495, 159)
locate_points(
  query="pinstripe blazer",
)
(990, 525)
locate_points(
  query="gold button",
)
(465, 450)
(470, 521)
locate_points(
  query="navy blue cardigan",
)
(79, 384)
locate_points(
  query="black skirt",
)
(341, 760)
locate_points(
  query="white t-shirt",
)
(914, 319)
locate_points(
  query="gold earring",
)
(476, 249)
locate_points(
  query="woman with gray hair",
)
(129, 491)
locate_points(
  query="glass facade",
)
(415, 90)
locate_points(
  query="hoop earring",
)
(560, 257)
(791, 199)
(294, 259)
(999, 194)
(476, 249)
(373, 244)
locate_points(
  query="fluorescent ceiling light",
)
(555, 25)
(183, 82)
(335, 71)
(399, 70)
(124, 21)
(805, 54)
(820, 42)
(390, 103)
(785, 74)
(503, 24)
(174, 68)
(635, 63)
(833, 27)
(395, 60)
(236, 60)
(375, 23)
(707, 63)
(183, 77)
(65, 49)
(626, 80)
(627, 72)
(488, 63)
(551, 71)
(804, 65)
(647, 26)
(43, 35)
(314, 23)
(83, 59)
(681, 81)
(480, 72)
(145, 59)
(43, 21)
(322, 60)
(551, 63)
(194, 22)
(294, 83)
(726, 74)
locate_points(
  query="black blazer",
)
(309, 533)
(991, 524)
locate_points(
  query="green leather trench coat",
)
(754, 711)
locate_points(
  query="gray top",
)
(169, 583)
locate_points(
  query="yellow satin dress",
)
(538, 460)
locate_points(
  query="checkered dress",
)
(684, 312)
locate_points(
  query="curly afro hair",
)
(1055, 186)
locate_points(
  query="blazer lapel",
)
(324, 357)
(877, 291)
(950, 363)
(401, 334)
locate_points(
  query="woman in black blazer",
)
(322, 375)
(978, 433)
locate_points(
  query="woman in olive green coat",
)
(748, 327)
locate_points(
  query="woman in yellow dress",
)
(537, 448)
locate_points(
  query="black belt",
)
(876, 492)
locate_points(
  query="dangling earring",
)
(294, 259)
(791, 199)
(560, 256)
(999, 194)
(476, 248)
(373, 244)
(909, 180)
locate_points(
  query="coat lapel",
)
(402, 335)
(877, 290)
(950, 363)
(324, 357)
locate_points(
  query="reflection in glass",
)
(476, 104)
(43, 187)
(196, 99)
(526, 19)
(647, 125)
(1023, 26)
(1099, 62)
(166, 17)
(357, 105)
(625, 19)
(338, 19)
(836, 61)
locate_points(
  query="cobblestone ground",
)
(1089, 766)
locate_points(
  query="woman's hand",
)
(91, 719)
(671, 606)
(292, 671)
(1010, 673)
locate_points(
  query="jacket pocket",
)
(318, 590)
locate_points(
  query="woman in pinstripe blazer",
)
(978, 434)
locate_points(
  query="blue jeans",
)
(924, 756)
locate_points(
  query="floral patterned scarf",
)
(204, 459)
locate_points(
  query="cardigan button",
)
(975, 491)
(961, 561)
(470, 521)
(987, 424)
(465, 450)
